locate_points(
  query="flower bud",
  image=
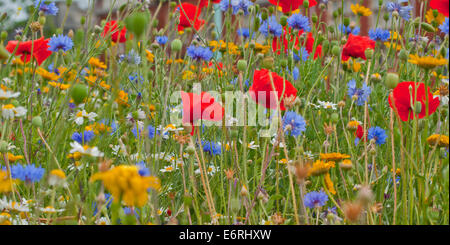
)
(79, 93)
(334, 117)
(283, 20)
(267, 63)
(176, 45)
(391, 80)
(137, 23)
(306, 4)
(335, 51)
(235, 205)
(83, 20)
(4, 54)
(346, 21)
(242, 65)
(369, 53)
(314, 18)
(37, 122)
(3, 146)
(417, 107)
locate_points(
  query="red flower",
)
(356, 47)
(205, 3)
(291, 5)
(261, 89)
(402, 97)
(440, 5)
(189, 13)
(202, 107)
(117, 35)
(309, 45)
(39, 46)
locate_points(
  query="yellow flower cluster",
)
(320, 167)
(335, 157)
(439, 19)
(125, 183)
(5, 182)
(360, 10)
(427, 62)
(329, 184)
(440, 140)
(223, 47)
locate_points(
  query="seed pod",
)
(176, 45)
(37, 121)
(79, 93)
(242, 65)
(391, 80)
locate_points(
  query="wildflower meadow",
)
(221, 112)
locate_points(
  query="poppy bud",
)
(79, 93)
(334, 117)
(83, 20)
(380, 2)
(369, 53)
(283, 20)
(68, 3)
(417, 107)
(306, 4)
(190, 150)
(137, 23)
(335, 14)
(391, 80)
(3, 53)
(335, 50)
(235, 205)
(314, 18)
(403, 54)
(3, 146)
(264, 14)
(346, 21)
(284, 63)
(267, 63)
(37, 121)
(242, 65)
(214, 35)
(173, 5)
(176, 45)
(427, 27)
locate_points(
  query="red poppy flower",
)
(291, 5)
(440, 5)
(39, 46)
(117, 35)
(261, 89)
(189, 13)
(356, 47)
(402, 97)
(309, 45)
(205, 3)
(202, 107)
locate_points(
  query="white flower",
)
(81, 115)
(211, 170)
(13, 206)
(168, 169)
(50, 209)
(9, 111)
(102, 221)
(327, 105)
(115, 149)
(85, 150)
(5, 94)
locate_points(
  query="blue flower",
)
(199, 53)
(48, 9)
(304, 54)
(444, 27)
(244, 32)
(211, 147)
(108, 199)
(60, 42)
(28, 173)
(235, 5)
(134, 131)
(295, 73)
(271, 26)
(299, 22)
(151, 131)
(143, 170)
(361, 93)
(315, 199)
(403, 11)
(379, 34)
(293, 124)
(347, 29)
(88, 135)
(162, 39)
(378, 134)
(133, 57)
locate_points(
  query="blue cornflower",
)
(361, 93)
(444, 27)
(60, 42)
(48, 9)
(143, 170)
(199, 53)
(378, 134)
(88, 135)
(315, 199)
(211, 147)
(235, 5)
(304, 54)
(293, 123)
(133, 57)
(151, 131)
(28, 173)
(379, 34)
(162, 39)
(347, 29)
(403, 11)
(244, 32)
(271, 26)
(108, 201)
(134, 131)
(299, 22)
(295, 73)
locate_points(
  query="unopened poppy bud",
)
(284, 63)
(306, 4)
(391, 80)
(68, 3)
(242, 65)
(334, 117)
(235, 205)
(346, 21)
(267, 63)
(283, 20)
(4, 54)
(173, 5)
(190, 149)
(214, 35)
(264, 15)
(42, 20)
(314, 18)
(83, 20)
(37, 121)
(335, 51)
(79, 93)
(176, 45)
(3, 146)
(369, 53)
(335, 14)
(380, 2)
(427, 27)
(417, 107)
(137, 23)
(4, 35)
(322, 6)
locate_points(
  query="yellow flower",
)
(188, 75)
(352, 125)
(75, 156)
(329, 184)
(259, 48)
(224, 47)
(125, 183)
(346, 164)
(427, 62)
(61, 86)
(47, 75)
(122, 98)
(320, 167)
(335, 157)
(360, 10)
(12, 158)
(439, 19)
(440, 140)
(97, 63)
(150, 56)
(5, 182)
(5, 219)
(58, 173)
(394, 45)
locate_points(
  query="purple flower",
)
(315, 199)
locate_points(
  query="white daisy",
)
(85, 150)
(9, 111)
